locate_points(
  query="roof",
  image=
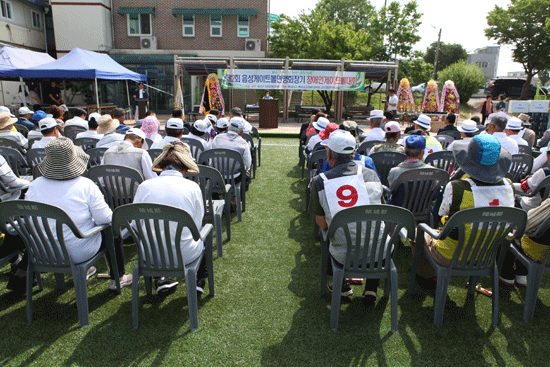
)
(13, 60)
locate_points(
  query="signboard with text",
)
(292, 79)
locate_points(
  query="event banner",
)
(291, 79)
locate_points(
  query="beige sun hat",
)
(106, 124)
(183, 154)
(6, 120)
(63, 161)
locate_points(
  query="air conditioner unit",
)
(252, 44)
(148, 43)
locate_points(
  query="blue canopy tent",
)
(82, 64)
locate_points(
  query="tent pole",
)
(97, 97)
(23, 90)
(128, 94)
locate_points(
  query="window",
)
(189, 26)
(139, 24)
(215, 26)
(36, 20)
(6, 9)
(242, 26)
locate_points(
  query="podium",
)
(269, 113)
(142, 106)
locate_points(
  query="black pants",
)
(511, 267)
(14, 243)
(119, 253)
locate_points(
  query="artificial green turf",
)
(267, 310)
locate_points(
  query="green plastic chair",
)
(154, 153)
(443, 159)
(21, 129)
(228, 162)
(315, 161)
(211, 181)
(445, 140)
(195, 147)
(489, 228)
(86, 143)
(521, 166)
(32, 140)
(384, 162)
(35, 156)
(253, 153)
(543, 188)
(41, 228)
(362, 259)
(420, 188)
(16, 161)
(118, 184)
(72, 131)
(366, 146)
(8, 143)
(144, 222)
(455, 134)
(96, 154)
(256, 135)
(535, 271)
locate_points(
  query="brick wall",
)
(168, 28)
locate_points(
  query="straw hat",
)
(6, 120)
(106, 124)
(63, 161)
(483, 158)
(183, 154)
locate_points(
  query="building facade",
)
(486, 58)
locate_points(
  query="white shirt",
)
(15, 136)
(506, 142)
(42, 142)
(161, 143)
(34, 134)
(205, 143)
(518, 139)
(312, 142)
(539, 162)
(393, 99)
(450, 146)
(89, 134)
(146, 163)
(170, 188)
(375, 134)
(81, 199)
(110, 140)
(10, 180)
(77, 121)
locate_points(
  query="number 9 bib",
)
(345, 192)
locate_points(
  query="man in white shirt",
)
(92, 128)
(6, 125)
(513, 128)
(50, 131)
(174, 132)
(233, 140)
(79, 119)
(496, 128)
(391, 104)
(128, 153)
(376, 133)
(107, 126)
(198, 130)
(468, 130)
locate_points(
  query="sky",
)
(461, 22)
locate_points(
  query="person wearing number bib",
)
(346, 185)
(485, 163)
(424, 123)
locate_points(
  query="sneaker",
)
(521, 280)
(508, 282)
(91, 272)
(368, 298)
(165, 286)
(346, 289)
(200, 286)
(124, 281)
(15, 263)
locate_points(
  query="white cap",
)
(247, 127)
(211, 119)
(95, 115)
(47, 123)
(376, 114)
(174, 123)
(514, 124)
(137, 132)
(424, 121)
(468, 126)
(321, 123)
(201, 125)
(340, 141)
(5, 109)
(237, 122)
(222, 123)
(24, 111)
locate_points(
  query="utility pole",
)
(437, 55)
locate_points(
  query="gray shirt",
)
(403, 167)
(232, 140)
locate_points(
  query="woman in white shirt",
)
(62, 185)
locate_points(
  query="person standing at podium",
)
(267, 95)
(140, 93)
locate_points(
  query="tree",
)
(449, 53)
(522, 25)
(544, 77)
(349, 29)
(468, 79)
(415, 69)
